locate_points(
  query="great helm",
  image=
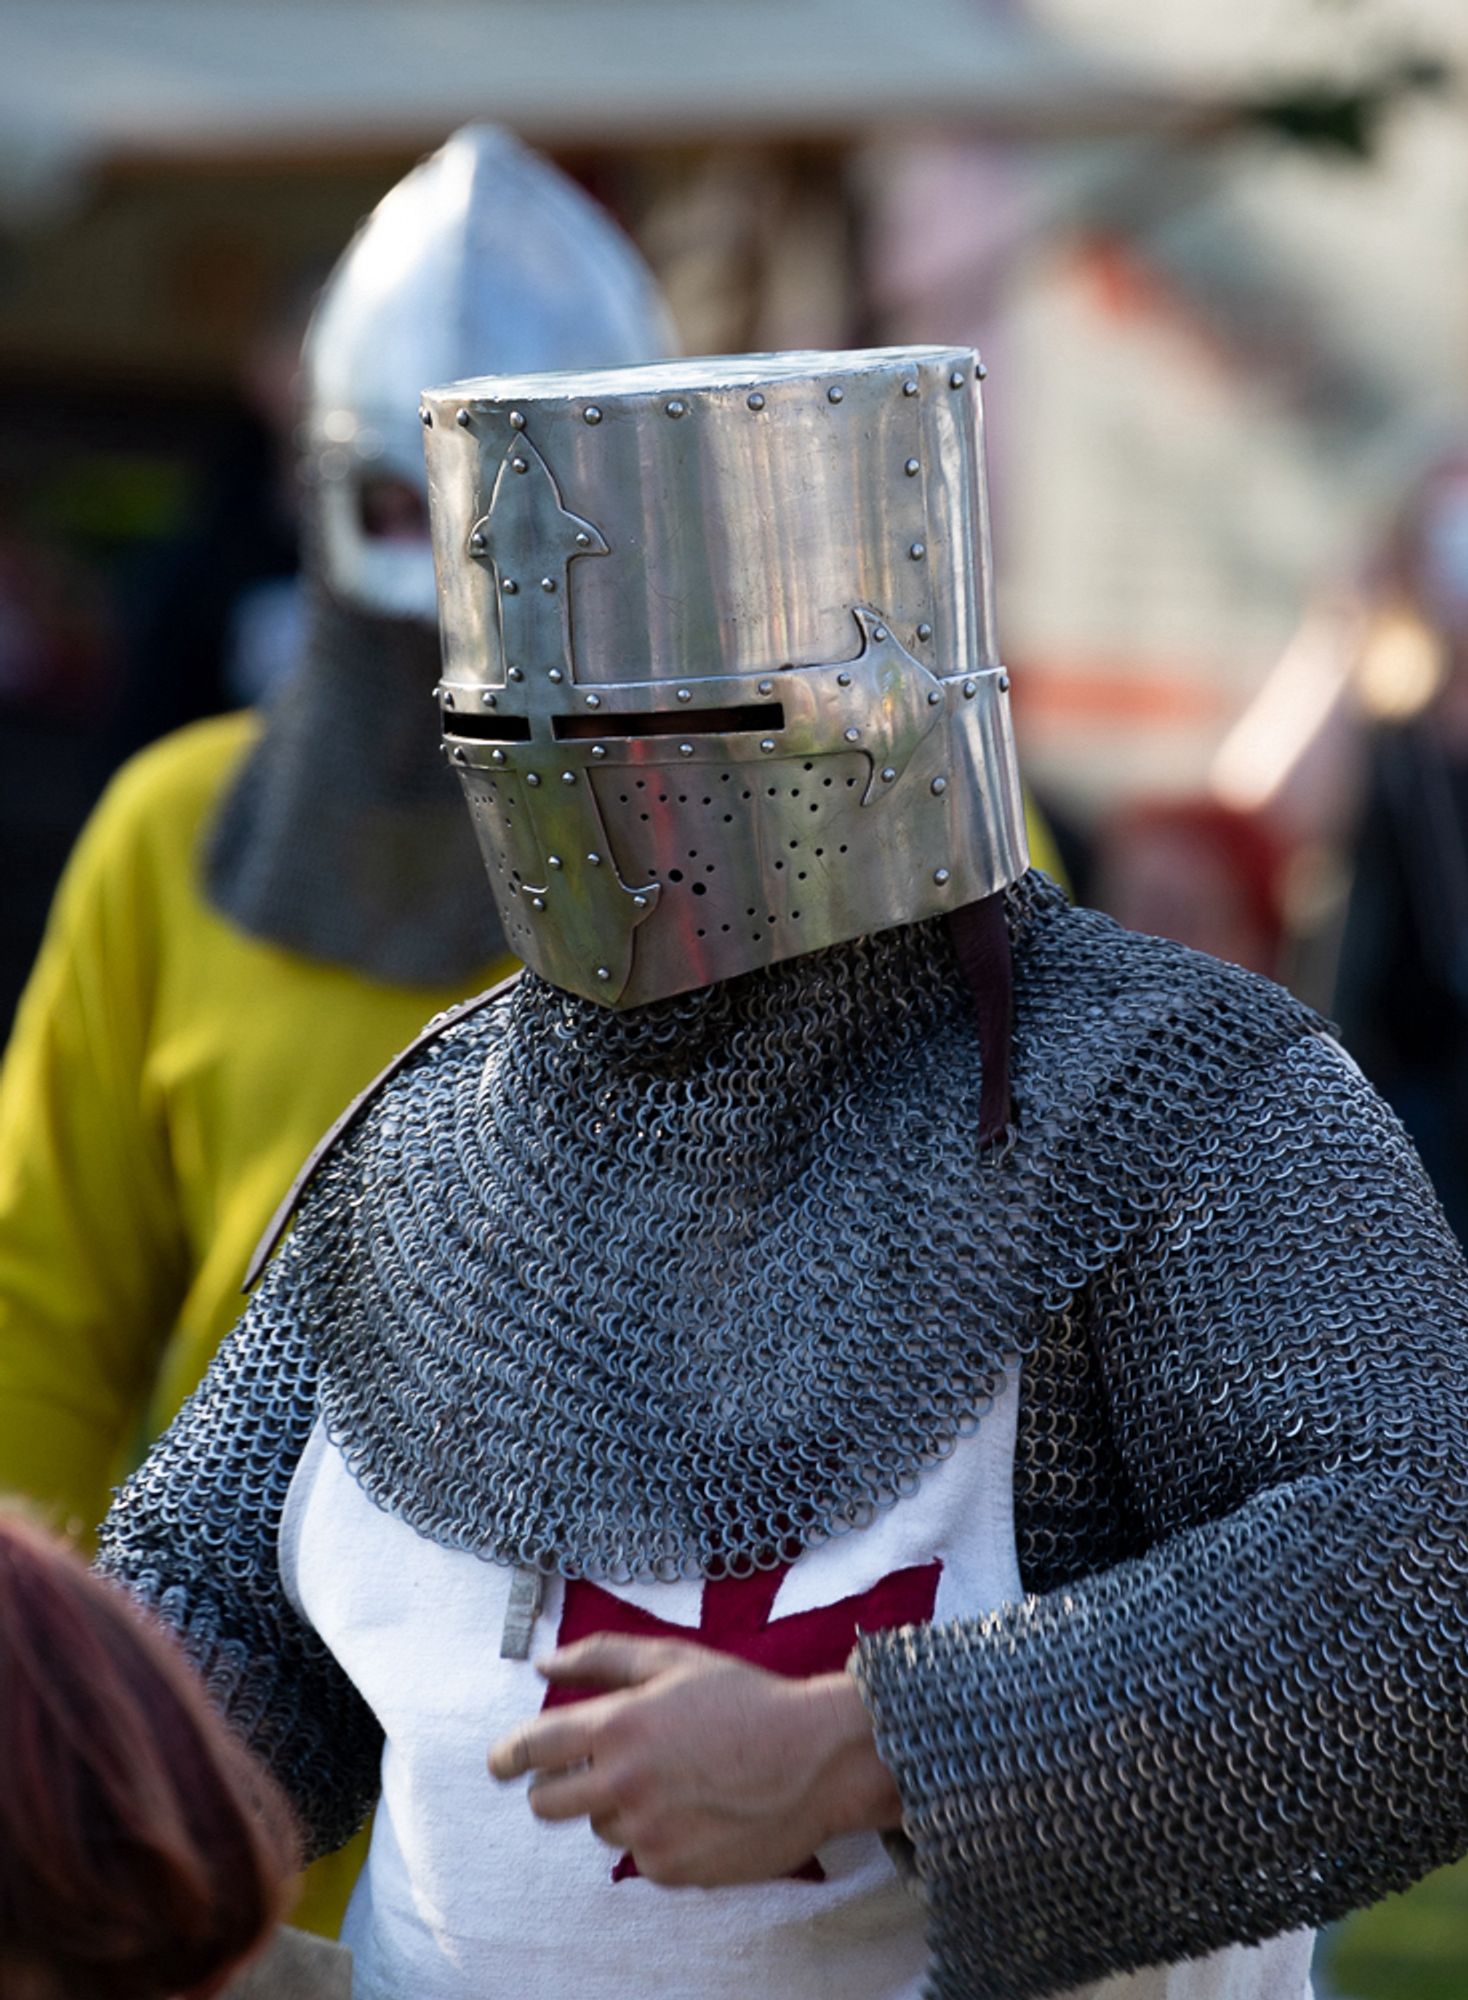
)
(719, 666)
(484, 256)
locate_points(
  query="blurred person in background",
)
(1357, 748)
(243, 936)
(143, 1854)
(1402, 986)
(1402, 1003)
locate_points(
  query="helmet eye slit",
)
(765, 715)
(488, 728)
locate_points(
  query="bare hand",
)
(709, 1771)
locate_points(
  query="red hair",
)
(143, 1854)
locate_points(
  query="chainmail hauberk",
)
(1232, 1701)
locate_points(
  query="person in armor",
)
(965, 1404)
(247, 931)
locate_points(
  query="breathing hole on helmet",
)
(765, 715)
(671, 844)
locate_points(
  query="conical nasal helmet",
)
(484, 257)
(720, 676)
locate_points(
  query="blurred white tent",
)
(81, 79)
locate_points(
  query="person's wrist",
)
(860, 1794)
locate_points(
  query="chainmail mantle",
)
(686, 1288)
(569, 1258)
(343, 835)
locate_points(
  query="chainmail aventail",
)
(343, 836)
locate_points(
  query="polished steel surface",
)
(484, 257)
(720, 674)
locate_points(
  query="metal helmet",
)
(484, 257)
(719, 666)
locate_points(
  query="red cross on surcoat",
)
(735, 1617)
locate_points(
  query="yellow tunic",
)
(167, 1076)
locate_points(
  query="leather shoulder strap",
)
(275, 1229)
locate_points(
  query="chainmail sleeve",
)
(1259, 1722)
(193, 1535)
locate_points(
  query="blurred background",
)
(1216, 259)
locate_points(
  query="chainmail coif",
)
(343, 835)
(687, 1287)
